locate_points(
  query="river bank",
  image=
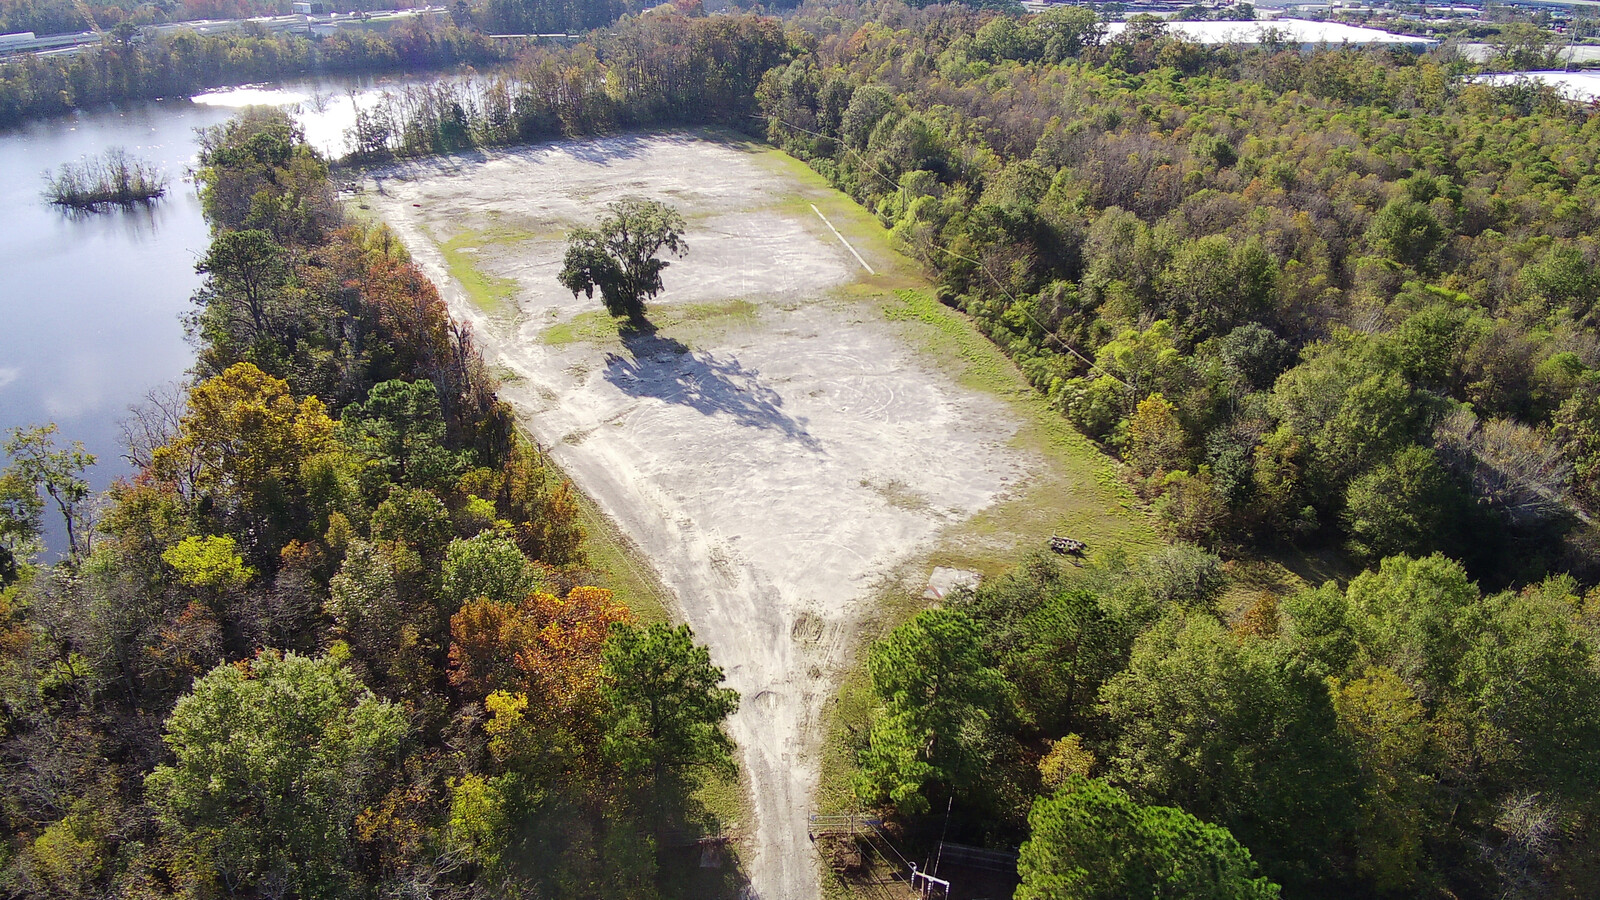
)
(94, 303)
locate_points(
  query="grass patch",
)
(728, 311)
(616, 564)
(897, 494)
(490, 293)
(599, 326)
(724, 796)
(595, 326)
(847, 725)
(950, 336)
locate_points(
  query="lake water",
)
(91, 306)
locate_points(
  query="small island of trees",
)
(112, 179)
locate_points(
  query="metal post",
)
(928, 881)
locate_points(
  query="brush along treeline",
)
(335, 637)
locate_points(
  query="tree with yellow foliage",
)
(1156, 440)
(240, 451)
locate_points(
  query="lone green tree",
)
(620, 257)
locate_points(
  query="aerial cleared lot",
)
(792, 436)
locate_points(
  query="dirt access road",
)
(775, 449)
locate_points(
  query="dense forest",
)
(1408, 735)
(1342, 299)
(184, 63)
(335, 638)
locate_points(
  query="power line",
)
(1015, 304)
(890, 844)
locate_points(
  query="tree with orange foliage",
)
(411, 334)
(544, 651)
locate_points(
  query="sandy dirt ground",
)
(773, 458)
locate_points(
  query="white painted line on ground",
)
(870, 270)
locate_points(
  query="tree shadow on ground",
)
(668, 370)
(711, 870)
(662, 835)
(603, 151)
(697, 856)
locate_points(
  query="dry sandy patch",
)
(773, 450)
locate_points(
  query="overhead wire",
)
(890, 844)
